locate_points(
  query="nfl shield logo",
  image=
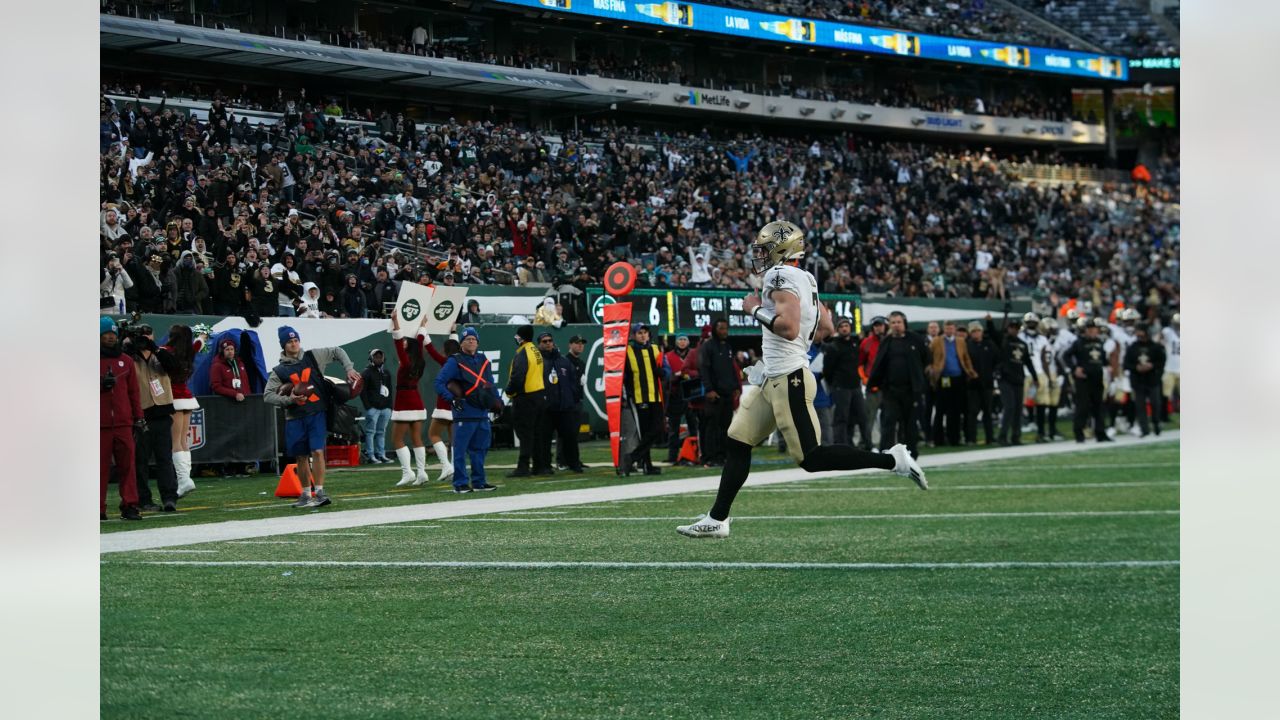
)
(195, 433)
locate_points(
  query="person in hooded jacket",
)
(309, 301)
(376, 396)
(466, 381)
(353, 300)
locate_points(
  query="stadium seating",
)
(906, 219)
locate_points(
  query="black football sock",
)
(737, 466)
(1053, 420)
(845, 457)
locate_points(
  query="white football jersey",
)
(1036, 344)
(779, 356)
(1063, 342)
(1123, 338)
(1172, 349)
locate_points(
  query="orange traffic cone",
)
(290, 486)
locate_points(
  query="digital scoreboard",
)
(687, 311)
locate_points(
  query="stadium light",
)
(681, 97)
(741, 104)
(975, 125)
(837, 113)
(917, 120)
(806, 111)
(864, 115)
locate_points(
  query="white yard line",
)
(329, 534)
(618, 565)
(180, 551)
(907, 516)
(468, 505)
(948, 488)
(260, 542)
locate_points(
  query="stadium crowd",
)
(322, 218)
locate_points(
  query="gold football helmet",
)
(776, 243)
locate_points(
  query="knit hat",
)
(375, 351)
(525, 333)
(543, 335)
(286, 334)
(225, 342)
(975, 325)
(469, 332)
(107, 325)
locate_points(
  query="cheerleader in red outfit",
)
(442, 416)
(184, 349)
(408, 412)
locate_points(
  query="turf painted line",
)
(468, 505)
(949, 488)
(906, 516)
(616, 565)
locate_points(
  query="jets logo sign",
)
(195, 433)
(443, 311)
(411, 310)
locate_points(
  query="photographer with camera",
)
(154, 442)
(115, 282)
(120, 413)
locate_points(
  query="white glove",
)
(755, 374)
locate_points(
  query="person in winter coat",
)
(466, 381)
(564, 401)
(193, 291)
(353, 301)
(684, 367)
(115, 283)
(309, 302)
(120, 412)
(227, 374)
(376, 396)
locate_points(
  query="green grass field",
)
(664, 626)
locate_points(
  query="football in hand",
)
(357, 386)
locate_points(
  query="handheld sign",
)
(414, 300)
(446, 305)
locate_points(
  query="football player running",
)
(791, 318)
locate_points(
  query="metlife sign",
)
(842, 36)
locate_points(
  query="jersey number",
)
(817, 316)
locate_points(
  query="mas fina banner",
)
(843, 36)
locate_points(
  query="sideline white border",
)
(318, 522)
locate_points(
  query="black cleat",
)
(130, 513)
(484, 488)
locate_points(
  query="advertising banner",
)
(868, 39)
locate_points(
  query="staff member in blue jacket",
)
(466, 380)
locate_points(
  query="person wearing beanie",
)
(526, 386)
(153, 444)
(184, 348)
(684, 368)
(408, 411)
(297, 384)
(564, 403)
(376, 397)
(442, 415)
(643, 376)
(120, 412)
(466, 382)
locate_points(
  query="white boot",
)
(182, 469)
(446, 463)
(406, 470)
(420, 455)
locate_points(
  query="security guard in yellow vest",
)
(526, 386)
(645, 372)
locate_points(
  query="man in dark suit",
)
(899, 373)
